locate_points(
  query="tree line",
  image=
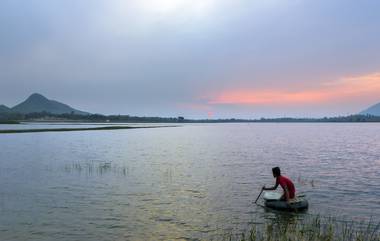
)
(46, 116)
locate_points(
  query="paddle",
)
(259, 196)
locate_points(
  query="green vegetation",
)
(350, 118)
(314, 229)
(9, 122)
(91, 118)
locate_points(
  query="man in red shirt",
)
(286, 184)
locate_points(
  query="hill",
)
(4, 108)
(373, 110)
(39, 103)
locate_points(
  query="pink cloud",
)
(342, 89)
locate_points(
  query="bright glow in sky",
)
(219, 58)
(172, 8)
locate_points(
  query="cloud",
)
(339, 90)
(143, 57)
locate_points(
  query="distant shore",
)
(9, 122)
(77, 129)
(14, 118)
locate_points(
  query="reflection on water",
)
(193, 182)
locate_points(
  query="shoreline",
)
(14, 131)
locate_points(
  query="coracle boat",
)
(272, 200)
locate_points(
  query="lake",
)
(197, 181)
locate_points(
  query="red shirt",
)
(285, 182)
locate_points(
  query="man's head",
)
(276, 171)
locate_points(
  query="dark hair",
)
(276, 171)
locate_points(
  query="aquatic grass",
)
(96, 168)
(310, 229)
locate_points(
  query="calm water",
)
(37, 125)
(194, 181)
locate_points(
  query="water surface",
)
(192, 182)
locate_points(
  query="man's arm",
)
(270, 188)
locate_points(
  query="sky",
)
(193, 58)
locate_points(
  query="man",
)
(286, 184)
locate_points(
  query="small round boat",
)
(272, 200)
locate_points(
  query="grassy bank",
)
(9, 122)
(314, 229)
(77, 129)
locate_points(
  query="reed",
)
(91, 168)
(310, 229)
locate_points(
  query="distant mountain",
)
(373, 110)
(4, 108)
(39, 103)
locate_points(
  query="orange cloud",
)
(344, 88)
